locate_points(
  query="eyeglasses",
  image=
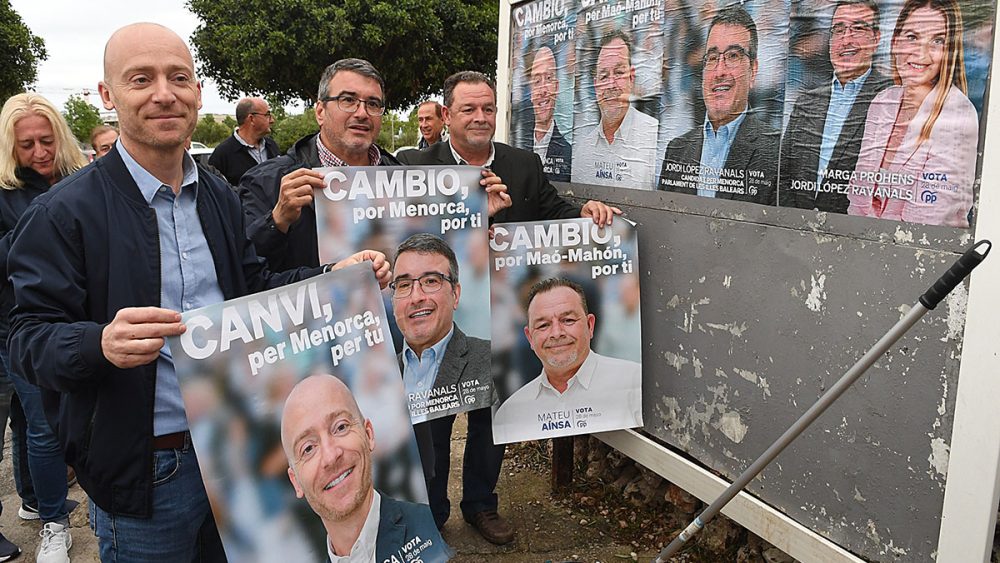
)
(616, 74)
(855, 28)
(268, 114)
(349, 103)
(731, 57)
(429, 283)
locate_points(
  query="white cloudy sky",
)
(75, 32)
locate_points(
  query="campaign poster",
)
(566, 328)
(724, 80)
(430, 222)
(543, 53)
(619, 54)
(296, 410)
(885, 109)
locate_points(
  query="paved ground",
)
(25, 533)
(546, 531)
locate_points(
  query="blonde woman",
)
(37, 150)
(918, 156)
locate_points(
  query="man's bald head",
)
(303, 399)
(149, 80)
(126, 38)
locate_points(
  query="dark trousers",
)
(481, 463)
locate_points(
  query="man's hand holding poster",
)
(296, 409)
(566, 328)
(430, 221)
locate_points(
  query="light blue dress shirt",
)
(187, 273)
(714, 152)
(419, 375)
(841, 101)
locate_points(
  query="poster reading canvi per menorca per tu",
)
(430, 221)
(566, 328)
(297, 412)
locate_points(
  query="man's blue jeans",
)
(45, 456)
(181, 528)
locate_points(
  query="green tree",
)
(81, 117)
(280, 47)
(20, 53)
(230, 122)
(291, 128)
(398, 130)
(210, 131)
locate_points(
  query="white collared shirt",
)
(258, 152)
(364, 547)
(628, 160)
(458, 158)
(604, 394)
(542, 147)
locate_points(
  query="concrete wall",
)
(751, 313)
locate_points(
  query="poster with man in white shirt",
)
(566, 381)
(619, 80)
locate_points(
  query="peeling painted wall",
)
(752, 313)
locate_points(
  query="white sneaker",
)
(56, 541)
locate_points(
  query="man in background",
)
(249, 145)
(430, 122)
(102, 138)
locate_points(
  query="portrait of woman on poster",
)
(918, 155)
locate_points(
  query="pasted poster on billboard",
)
(886, 103)
(869, 108)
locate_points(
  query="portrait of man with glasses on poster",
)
(734, 153)
(444, 370)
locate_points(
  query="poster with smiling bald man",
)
(543, 63)
(566, 329)
(296, 408)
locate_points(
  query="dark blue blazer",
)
(403, 527)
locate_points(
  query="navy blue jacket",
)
(232, 158)
(401, 523)
(85, 249)
(12, 205)
(258, 191)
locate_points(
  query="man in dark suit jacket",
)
(440, 364)
(539, 119)
(401, 522)
(749, 170)
(835, 110)
(470, 113)
(754, 149)
(249, 145)
(329, 444)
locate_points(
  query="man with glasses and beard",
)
(277, 195)
(733, 155)
(436, 354)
